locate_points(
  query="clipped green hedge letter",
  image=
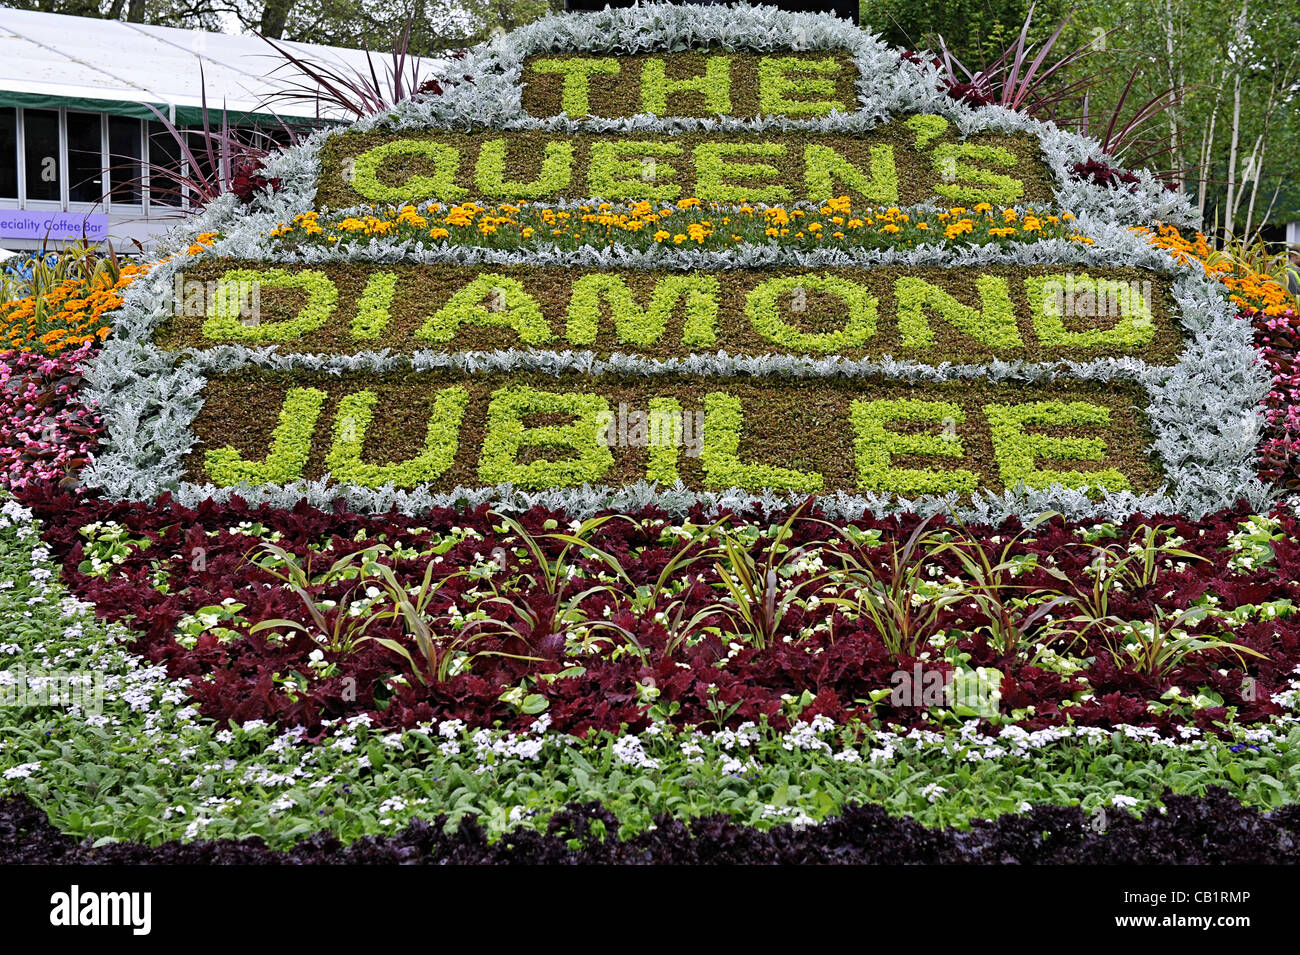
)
(225, 322)
(440, 443)
(763, 306)
(1016, 450)
(1053, 297)
(441, 185)
(665, 440)
(719, 455)
(962, 180)
(575, 97)
(714, 86)
(490, 172)
(629, 169)
(508, 305)
(993, 324)
(373, 306)
(827, 174)
(875, 445)
(290, 446)
(586, 458)
(712, 170)
(778, 80)
(644, 326)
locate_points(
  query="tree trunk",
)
(1230, 206)
(135, 12)
(274, 17)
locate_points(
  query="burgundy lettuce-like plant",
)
(247, 181)
(1102, 174)
(716, 677)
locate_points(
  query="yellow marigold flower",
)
(891, 228)
(983, 207)
(661, 235)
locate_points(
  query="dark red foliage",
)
(967, 93)
(247, 181)
(234, 680)
(1103, 174)
(912, 56)
(1278, 337)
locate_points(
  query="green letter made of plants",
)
(660, 256)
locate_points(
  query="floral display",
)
(717, 452)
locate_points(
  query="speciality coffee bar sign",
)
(41, 224)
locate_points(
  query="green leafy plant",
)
(760, 586)
(1013, 611)
(1163, 643)
(332, 628)
(556, 582)
(895, 594)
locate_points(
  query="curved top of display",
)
(837, 81)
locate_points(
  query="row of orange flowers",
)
(1247, 287)
(67, 316)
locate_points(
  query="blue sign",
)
(40, 224)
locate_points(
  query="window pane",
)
(164, 158)
(124, 156)
(85, 159)
(9, 153)
(41, 142)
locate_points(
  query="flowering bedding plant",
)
(689, 222)
(235, 602)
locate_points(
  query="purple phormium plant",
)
(1019, 78)
(216, 158)
(1024, 79)
(356, 92)
(1119, 138)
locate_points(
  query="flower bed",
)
(686, 514)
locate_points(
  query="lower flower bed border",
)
(1213, 829)
(149, 769)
